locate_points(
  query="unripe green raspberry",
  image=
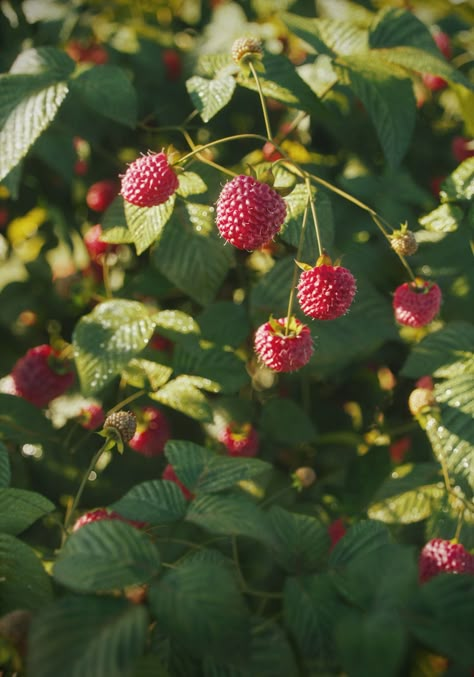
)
(404, 243)
(303, 477)
(123, 422)
(420, 399)
(246, 47)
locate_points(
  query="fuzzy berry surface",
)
(152, 433)
(240, 440)
(149, 181)
(170, 475)
(100, 514)
(101, 194)
(326, 292)
(280, 352)
(123, 422)
(35, 378)
(245, 46)
(440, 556)
(249, 213)
(404, 243)
(91, 417)
(416, 304)
(94, 244)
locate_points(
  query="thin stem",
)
(262, 100)
(295, 269)
(106, 278)
(315, 217)
(126, 401)
(459, 525)
(82, 486)
(225, 139)
(403, 260)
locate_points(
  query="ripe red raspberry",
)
(443, 43)
(425, 382)
(170, 475)
(40, 375)
(434, 82)
(249, 213)
(149, 181)
(122, 423)
(326, 292)
(440, 556)
(100, 195)
(91, 417)
(462, 148)
(94, 245)
(82, 53)
(336, 531)
(158, 342)
(284, 352)
(100, 514)
(240, 440)
(97, 54)
(172, 63)
(152, 433)
(416, 303)
(399, 449)
(246, 47)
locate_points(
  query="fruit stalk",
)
(262, 99)
(295, 270)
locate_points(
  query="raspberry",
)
(82, 53)
(124, 423)
(303, 477)
(100, 195)
(399, 449)
(152, 433)
(4, 216)
(416, 303)
(170, 475)
(100, 514)
(94, 245)
(441, 556)
(419, 400)
(172, 64)
(149, 181)
(158, 342)
(91, 417)
(240, 440)
(246, 47)
(443, 43)
(434, 82)
(425, 382)
(284, 352)
(249, 213)
(326, 292)
(35, 376)
(403, 242)
(462, 148)
(336, 531)
(81, 167)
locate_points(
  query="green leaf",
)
(269, 654)
(5, 471)
(389, 100)
(210, 96)
(204, 471)
(361, 539)
(208, 592)
(408, 496)
(393, 27)
(442, 617)
(106, 555)
(285, 422)
(225, 323)
(114, 223)
(291, 229)
(25, 583)
(21, 421)
(418, 60)
(460, 184)
(443, 219)
(446, 352)
(302, 542)
(155, 501)
(222, 367)
(311, 608)
(184, 395)
(87, 636)
(49, 61)
(150, 665)
(174, 324)
(230, 516)
(107, 339)
(107, 90)
(191, 255)
(190, 183)
(28, 104)
(328, 36)
(142, 373)
(146, 224)
(20, 508)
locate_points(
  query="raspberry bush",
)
(237, 381)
